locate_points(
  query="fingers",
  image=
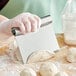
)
(38, 21)
(33, 22)
(27, 25)
(22, 28)
(27, 22)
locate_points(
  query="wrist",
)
(5, 27)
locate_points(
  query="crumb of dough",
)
(28, 72)
(48, 69)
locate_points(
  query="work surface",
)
(11, 67)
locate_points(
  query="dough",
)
(61, 74)
(7, 44)
(3, 49)
(28, 72)
(48, 69)
(71, 56)
(39, 56)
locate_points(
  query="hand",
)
(26, 23)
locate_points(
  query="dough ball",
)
(61, 74)
(48, 69)
(39, 56)
(71, 56)
(28, 72)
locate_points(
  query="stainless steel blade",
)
(43, 39)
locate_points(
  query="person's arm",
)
(2, 18)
